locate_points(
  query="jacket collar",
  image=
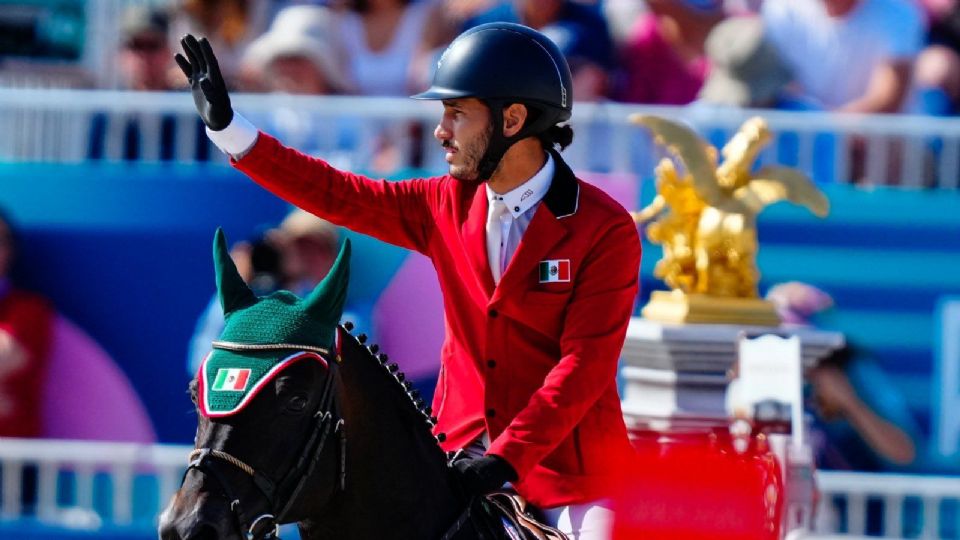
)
(563, 197)
(523, 197)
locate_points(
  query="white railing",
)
(54, 125)
(907, 506)
(910, 506)
(66, 470)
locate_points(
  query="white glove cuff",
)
(237, 138)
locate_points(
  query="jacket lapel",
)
(544, 232)
(546, 229)
(474, 233)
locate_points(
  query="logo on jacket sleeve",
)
(555, 271)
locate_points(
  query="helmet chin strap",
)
(498, 145)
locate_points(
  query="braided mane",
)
(420, 415)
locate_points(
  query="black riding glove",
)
(206, 83)
(484, 475)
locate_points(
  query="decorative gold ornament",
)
(705, 219)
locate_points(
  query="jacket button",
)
(493, 313)
(491, 413)
(491, 363)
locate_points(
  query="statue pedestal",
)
(679, 307)
(675, 375)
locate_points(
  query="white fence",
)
(67, 480)
(910, 506)
(54, 125)
(889, 505)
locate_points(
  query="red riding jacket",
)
(534, 363)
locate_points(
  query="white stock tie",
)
(496, 237)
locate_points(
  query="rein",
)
(266, 526)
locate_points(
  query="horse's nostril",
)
(203, 532)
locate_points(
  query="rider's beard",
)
(468, 155)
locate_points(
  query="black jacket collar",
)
(563, 196)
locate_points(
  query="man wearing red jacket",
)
(538, 269)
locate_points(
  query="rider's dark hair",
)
(557, 135)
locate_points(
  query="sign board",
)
(770, 372)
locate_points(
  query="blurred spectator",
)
(848, 55)
(260, 265)
(861, 418)
(745, 68)
(747, 71)
(229, 25)
(620, 16)
(937, 71)
(26, 322)
(310, 245)
(298, 55)
(145, 59)
(389, 43)
(145, 64)
(742, 7)
(663, 59)
(390, 50)
(578, 29)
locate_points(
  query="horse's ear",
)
(233, 292)
(327, 299)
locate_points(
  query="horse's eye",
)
(297, 403)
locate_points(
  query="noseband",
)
(279, 497)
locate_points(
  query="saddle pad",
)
(228, 380)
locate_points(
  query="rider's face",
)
(464, 131)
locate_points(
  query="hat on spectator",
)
(141, 19)
(304, 31)
(796, 302)
(302, 224)
(745, 68)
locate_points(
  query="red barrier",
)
(690, 486)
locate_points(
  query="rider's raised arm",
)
(400, 213)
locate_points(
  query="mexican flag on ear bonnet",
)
(263, 336)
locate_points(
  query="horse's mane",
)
(412, 406)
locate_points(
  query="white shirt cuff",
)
(237, 138)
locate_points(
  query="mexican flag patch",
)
(555, 271)
(231, 380)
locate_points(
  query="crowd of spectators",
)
(837, 55)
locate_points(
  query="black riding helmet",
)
(502, 63)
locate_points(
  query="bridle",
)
(280, 496)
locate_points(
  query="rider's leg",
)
(478, 447)
(588, 521)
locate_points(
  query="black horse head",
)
(291, 431)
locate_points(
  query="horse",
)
(291, 430)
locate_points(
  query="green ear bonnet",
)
(263, 336)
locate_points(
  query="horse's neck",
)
(396, 485)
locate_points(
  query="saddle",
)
(502, 515)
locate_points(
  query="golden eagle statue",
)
(706, 222)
